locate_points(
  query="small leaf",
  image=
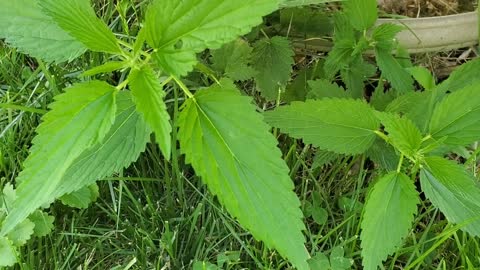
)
(204, 266)
(231, 148)
(43, 223)
(339, 57)
(403, 133)
(343, 126)
(319, 262)
(384, 35)
(393, 71)
(324, 89)
(389, 213)
(148, 96)
(273, 61)
(175, 62)
(362, 13)
(455, 192)
(233, 60)
(380, 99)
(338, 260)
(24, 26)
(458, 117)
(81, 198)
(423, 76)
(21, 233)
(78, 119)
(8, 252)
(78, 18)
(105, 68)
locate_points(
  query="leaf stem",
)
(122, 85)
(182, 86)
(400, 163)
(382, 135)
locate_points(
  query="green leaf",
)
(354, 76)
(25, 27)
(362, 13)
(323, 158)
(384, 155)
(298, 3)
(105, 68)
(324, 89)
(180, 29)
(8, 252)
(273, 61)
(78, 18)
(233, 60)
(457, 116)
(21, 233)
(319, 262)
(455, 192)
(380, 98)
(338, 260)
(384, 35)
(297, 89)
(78, 119)
(112, 154)
(423, 76)
(389, 212)
(463, 76)
(339, 57)
(231, 148)
(393, 71)
(403, 133)
(204, 266)
(343, 126)
(43, 223)
(148, 96)
(81, 198)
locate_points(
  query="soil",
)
(426, 8)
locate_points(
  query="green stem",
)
(382, 135)
(400, 162)
(122, 85)
(22, 108)
(183, 87)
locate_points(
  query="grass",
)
(158, 215)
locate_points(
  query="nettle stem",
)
(183, 87)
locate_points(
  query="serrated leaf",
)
(393, 71)
(105, 68)
(231, 148)
(319, 262)
(339, 57)
(383, 155)
(43, 223)
(323, 157)
(8, 252)
(148, 96)
(78, 18)
(21, 233)
(233, 60)
(324, 89)
(25, 27)
(463, 76)
(384, 35)
(122, 145)
(180, 29)
(362, 13)
(403, 133)
(455, 192)
(380, 99)
(273, 61)
(296, 90)
(343, 126)
(423, 76)
(389, 213)
(457, 116)
(343, 28)
(81, 198)
(354, 76)
(78, 119)
(338, 260)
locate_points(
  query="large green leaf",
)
(273, 61)
(389, 213)
(188, 27)
(233, 60)
(455, 192)
(148, 96)
(362, 13)
(392, 70)
(24, 26)
(403, 133)
(465, 75)
(231, 148)
(78, 119)
(78, 18)
(458, 117)
(122, 145)
(343, 126)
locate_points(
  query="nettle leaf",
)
(8, 252)
(403, 133)
(233, 60)
(106, 68)
(25, 27)
(423, 76)
(362, 13)
(389, 212)
(273, 61)
(43, 223)
(457, 116)
(81, 198)
(355, 74)
(463, 76)
(350, 130)
(384, 35)
(455, 192)
(231, 148)
(148, 96)
(112, 154)
(384, 155)
(78, 18)
(393, 71)
(174, 61)
(21, 233)
(297, 89)
(183, 28)
(325, 89)
(78, 119)
(299, 3)
(339, 57)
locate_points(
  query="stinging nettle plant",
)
(95, 129)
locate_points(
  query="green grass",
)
(158, 215)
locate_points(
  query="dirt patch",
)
(427, 8)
